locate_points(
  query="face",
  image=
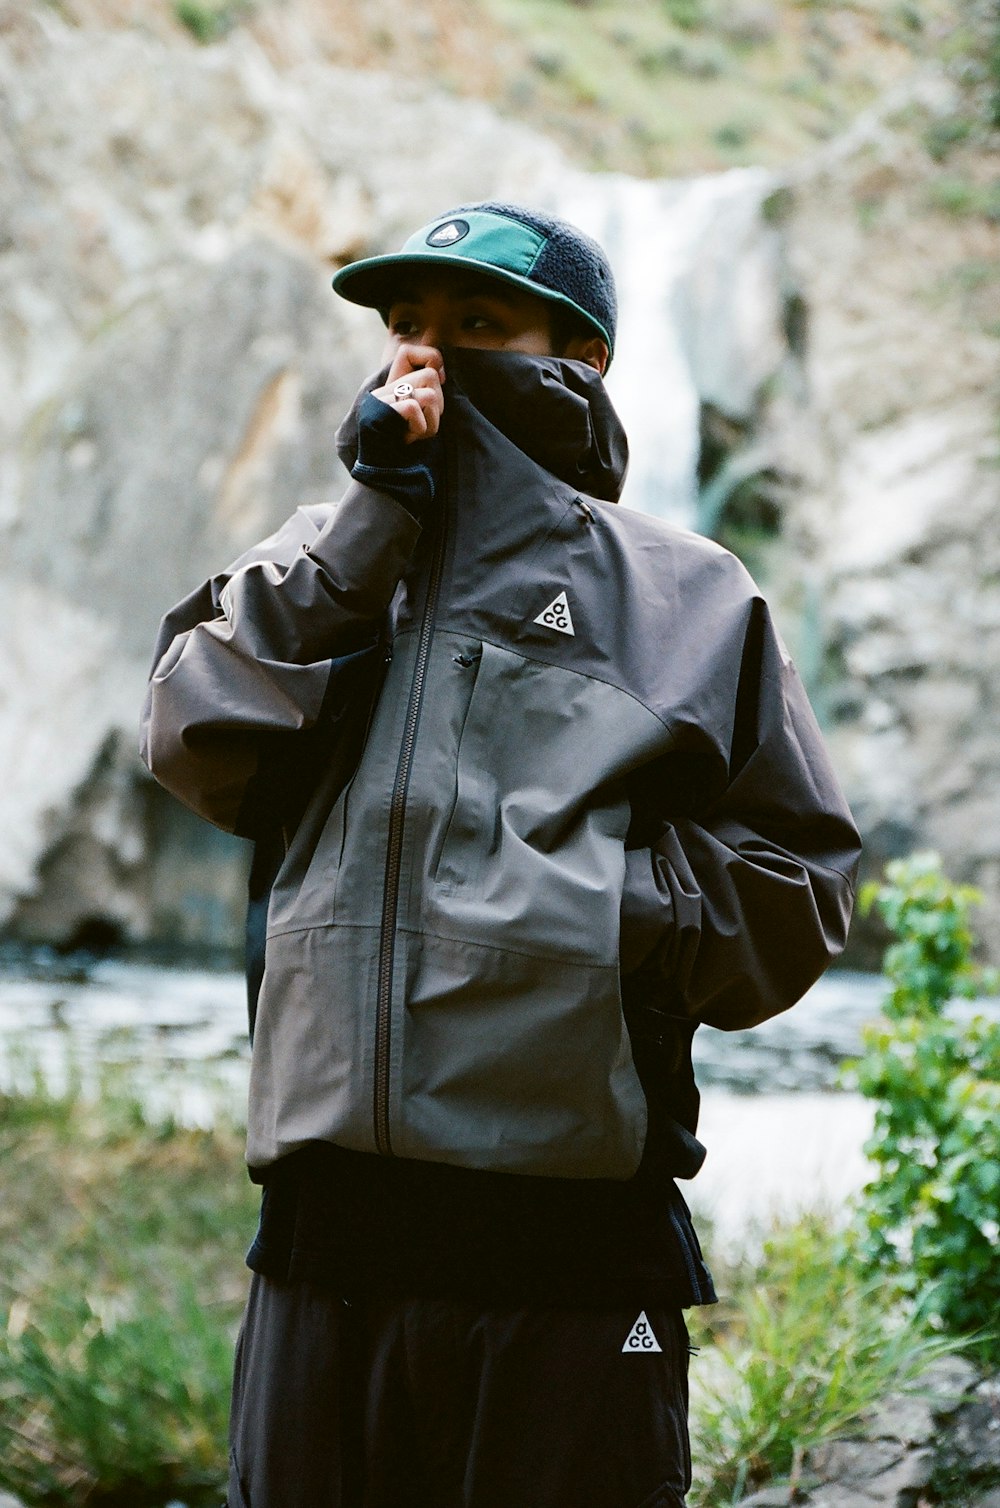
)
(446, 307)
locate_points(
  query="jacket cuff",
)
(413, 486)
(647, 911)
(366, 546)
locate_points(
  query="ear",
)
(589, 348)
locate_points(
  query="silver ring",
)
(402, 390)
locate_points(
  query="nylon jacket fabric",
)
(548, 829)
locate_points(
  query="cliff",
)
(173, 364)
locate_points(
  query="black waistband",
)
(364, 1223)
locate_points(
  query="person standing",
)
(535, 791)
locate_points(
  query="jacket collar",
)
(556, 411)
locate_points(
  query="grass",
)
(669, 86)
(121, 1287)
(798, 1354)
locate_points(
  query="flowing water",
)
(779, 1133)
(698, 264)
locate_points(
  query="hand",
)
(423, 366)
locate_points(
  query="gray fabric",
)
(669, 724)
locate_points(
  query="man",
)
(535, 790)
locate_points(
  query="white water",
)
(698, 269)
(773, 1156)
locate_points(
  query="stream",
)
(781, 1135)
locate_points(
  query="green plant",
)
(944, 133)
(120, 1291)
(733, 135)
(114, 1401)
(207, 20)
(807, 1345)
(961, 197)
(549, 62)
(685, 13)
(930, 1214)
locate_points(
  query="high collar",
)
(556, 411)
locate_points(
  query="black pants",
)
(437, 1403)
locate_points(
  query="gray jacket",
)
(590, 776)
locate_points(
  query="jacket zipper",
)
(394, 855)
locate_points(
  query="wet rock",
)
(880, 1471)
(839, 1496)
(914, 1418)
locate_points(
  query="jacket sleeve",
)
(249, 657)
(744, 893)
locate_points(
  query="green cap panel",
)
(480, 237)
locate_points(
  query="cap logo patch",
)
(449, 233)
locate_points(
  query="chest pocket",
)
(535, 840)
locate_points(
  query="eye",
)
(402, 326)
(476, 322)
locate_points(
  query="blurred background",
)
(801, 199)
(802, 204)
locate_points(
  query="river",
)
(781, 1135)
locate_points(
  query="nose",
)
(432, 334)
(436, 318)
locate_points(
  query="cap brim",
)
(374, 282)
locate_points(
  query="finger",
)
(410, 359)
(424, 379)
(431, 404)
(416, 422)
(428, 395)
(426, 391)
(418, 377)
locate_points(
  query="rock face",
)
(173, 364)
(899, 518)
(172, 367)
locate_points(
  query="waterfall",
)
(698, 263)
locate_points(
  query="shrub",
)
(930, 1214)
(961, 197)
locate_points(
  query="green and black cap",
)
(537, 252)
